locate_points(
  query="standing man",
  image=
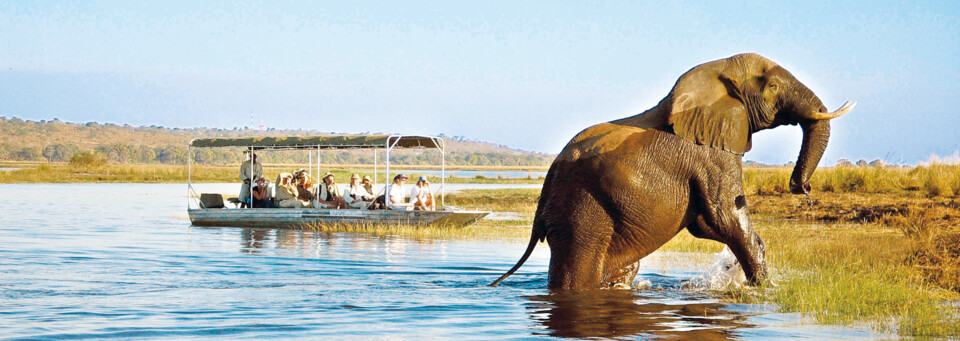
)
(250, 171)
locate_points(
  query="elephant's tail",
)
(533, 243)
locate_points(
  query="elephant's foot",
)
(622, 278)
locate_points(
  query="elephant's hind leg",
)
(622, 278)
(579, 243)
(579, 266)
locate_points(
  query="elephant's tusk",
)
(829, 116)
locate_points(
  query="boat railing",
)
(193, 197)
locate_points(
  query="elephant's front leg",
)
(748, 247)
(730, 224)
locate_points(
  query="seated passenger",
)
(367, 183)
(421, 196)
(287, 192)
(396, 194)
(328, 193)
(261, 194)
(304, 186)
(356, 195)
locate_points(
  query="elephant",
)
(620, 190)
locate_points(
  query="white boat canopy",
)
(323, 142)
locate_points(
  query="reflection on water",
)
(619, 313)
(129, 265)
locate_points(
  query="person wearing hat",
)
(250, 171)
(328, 193)
(305, 191)
(396, 193)
(367, 183)
(421, 196)
(356, 196)
(287, 192)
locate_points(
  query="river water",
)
(94, 261)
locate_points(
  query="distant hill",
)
(58, 141)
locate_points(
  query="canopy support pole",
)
(386, 180)
(189, 169)
(443, 171)
(250, 186)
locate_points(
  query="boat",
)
(209, 209)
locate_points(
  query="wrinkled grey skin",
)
(620, 190)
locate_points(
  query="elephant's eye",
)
(774, 87)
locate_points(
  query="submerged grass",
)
(523, 201)
(480, 231)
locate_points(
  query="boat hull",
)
(296, 217)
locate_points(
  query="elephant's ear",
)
(706, 107)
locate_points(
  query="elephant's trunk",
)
(816, 133)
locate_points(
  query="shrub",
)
(939, 180)
(88, 159)
(937, 253)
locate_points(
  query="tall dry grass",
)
(934, 180)
(850, 274)
(935, 233)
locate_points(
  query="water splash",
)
(724, 273)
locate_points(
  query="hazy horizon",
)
(949, 159)
(526, 75)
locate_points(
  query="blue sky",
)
(524, 74)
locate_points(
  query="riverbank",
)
(35, 172)
(887, 260)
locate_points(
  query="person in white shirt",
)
(356, 195)
(421, 196)
(250, 171)
(396, 194)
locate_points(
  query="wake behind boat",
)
(210, 209)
